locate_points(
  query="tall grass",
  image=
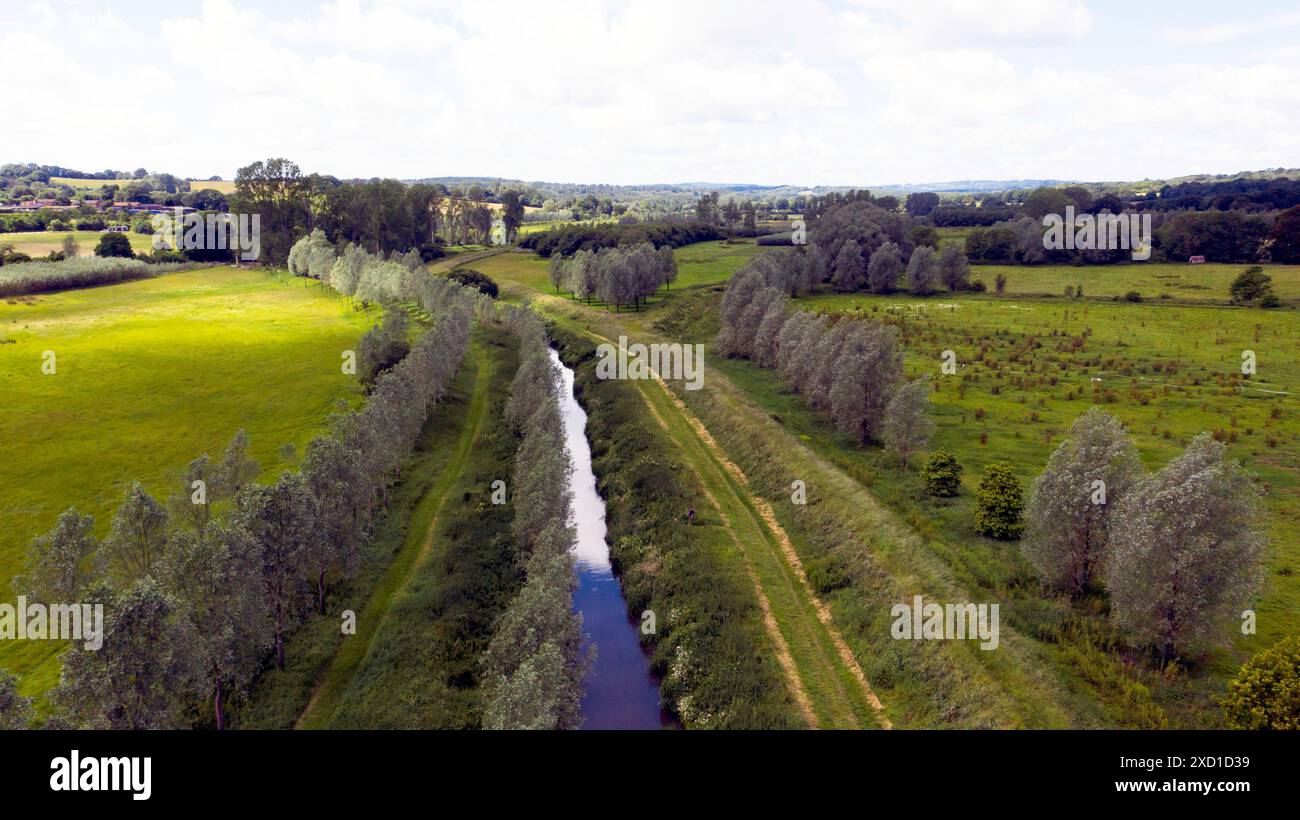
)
(45, 277)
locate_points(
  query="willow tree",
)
(1188, 553)
(1071, 509)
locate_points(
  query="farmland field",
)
(40, 243)
(150, 375)
(224, 186)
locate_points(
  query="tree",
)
(114, 244)
(1265, 694)
(332, 473)
(345, 275)
(137, 537)
(1044, 201)
(883, 269)
(237, 467)
(849, 267)
(921, 272)
(924, 235)
(1251, 285)
(53, 572)
(1285, 237)
(741, 290)
(1188, 558)
(954, 268)
(15, 710)
(213, 577)
(512, 213)
(942, 474)
(194, 504)
(865, 376)
(144, 674)
(279, 520)
(71, 249)
(998, 501)
(558, 272)
(1071, 509)
(668, 266)
(907, 424)
(921, 203)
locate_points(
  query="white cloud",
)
(651, 91)
(1222, 32)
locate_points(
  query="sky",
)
(806, 92)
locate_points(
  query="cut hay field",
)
(40, 243)
(224, 186)
(87, 184)
(150, 375)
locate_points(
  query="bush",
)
(1001, 503)
(942, 474)
(473, 279)
(1266, 692)
(429, 252)
(1000, 283)
(114, 244)
(1133, 296)
(1252, 285)
(826, 574)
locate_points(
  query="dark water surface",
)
(619, 691)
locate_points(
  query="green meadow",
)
(39, 243)
(149, 375)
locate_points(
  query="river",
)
(619, 691)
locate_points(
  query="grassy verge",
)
(420, 668)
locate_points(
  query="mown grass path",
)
(353, 649)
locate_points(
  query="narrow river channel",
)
(619, 692)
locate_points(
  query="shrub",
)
(1250, 285)
(473, 279)
(1266, 692)
(1133, 296)
(1000, 283)
(942, 474)
(1000, 503)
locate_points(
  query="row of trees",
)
(850, 369)
(358, 273)
(623, 275)
(198, 589)
(1180, 552)
(533, 667)
(380, 215)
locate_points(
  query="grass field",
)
(704, 263)
(1178, 282)
(150, 375)
(1029, 368)
(40, 243)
